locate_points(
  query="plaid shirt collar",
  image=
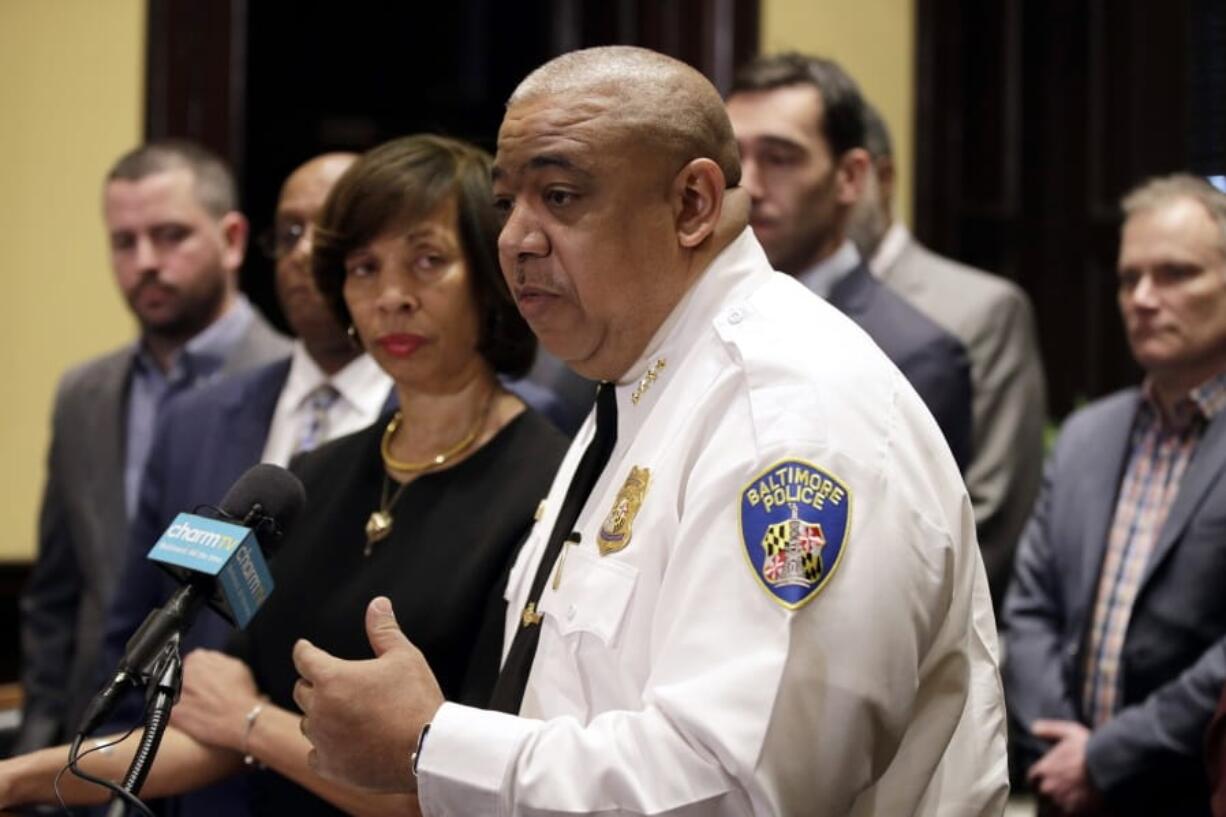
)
(1204, 402)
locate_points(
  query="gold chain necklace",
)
(385, 447)
(379, 524)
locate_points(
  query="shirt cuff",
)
(465, 760)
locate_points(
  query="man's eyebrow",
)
(541, 162)
(770, 140)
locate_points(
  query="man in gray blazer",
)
(993, 318)
(176, 244)
(1116, 638)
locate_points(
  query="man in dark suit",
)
(993, 319)
(1116, 637)
(176, 242)
(800, 126)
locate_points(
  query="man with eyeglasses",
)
(207, 439)
(176, 243)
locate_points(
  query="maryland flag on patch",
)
(794, 523)
(793, 551)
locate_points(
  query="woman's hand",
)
(218, 692)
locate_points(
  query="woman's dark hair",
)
(405, 180)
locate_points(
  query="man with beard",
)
(176, 243)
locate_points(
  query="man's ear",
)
(851, 175)
(698, 195)
(885, 180)
(234, 228)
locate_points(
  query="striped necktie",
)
(314, 428)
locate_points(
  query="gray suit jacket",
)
(82, 535)
(993, 319)
(1148, 758)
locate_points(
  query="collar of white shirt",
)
(742, 263)
(896, 238)
(822, 277)
(363, 389)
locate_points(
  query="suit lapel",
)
(1111, 447)
(853, 293)
(105, 426)
(249, 413)
(259, 345)
(1203, 471)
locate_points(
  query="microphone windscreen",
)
(277, 491)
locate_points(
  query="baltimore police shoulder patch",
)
(795, 518)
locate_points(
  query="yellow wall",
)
(71, 100)
(875, 41)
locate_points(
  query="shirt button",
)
(570, 613)
(735, 315)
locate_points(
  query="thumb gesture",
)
(382, 629)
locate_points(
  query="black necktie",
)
(509, 689)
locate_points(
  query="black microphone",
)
(219, 563)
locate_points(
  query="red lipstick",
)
(400, 344)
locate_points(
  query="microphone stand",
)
(167, 681)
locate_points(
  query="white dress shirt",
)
(671, 677)
(892, 244)
(363, 388)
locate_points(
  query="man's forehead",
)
(1152, 236)
(553, 132)
(791, 112)
(165, 194)
(164, 188)
(314, 178)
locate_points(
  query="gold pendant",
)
(618, 525)
(378, 526)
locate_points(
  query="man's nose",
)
(146, 254)
(1145, 294)
(522, 236)
(749, 179)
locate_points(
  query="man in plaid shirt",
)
(1116, 619)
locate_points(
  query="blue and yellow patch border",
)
(754, 550)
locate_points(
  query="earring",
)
(352, 332)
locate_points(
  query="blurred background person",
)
(207, 438)
(799, 123)
(428, 508)
(993, 319)
(1116, 620)
(176, 243)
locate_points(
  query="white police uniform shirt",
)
(833, 653)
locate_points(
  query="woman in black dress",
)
(426, 508)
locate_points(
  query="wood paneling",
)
(1033, 118)
(270, 84)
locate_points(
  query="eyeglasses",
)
(279, 240)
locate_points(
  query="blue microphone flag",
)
(229, 553)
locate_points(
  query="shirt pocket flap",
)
(592, 597)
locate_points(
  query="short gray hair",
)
(1161, 190)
